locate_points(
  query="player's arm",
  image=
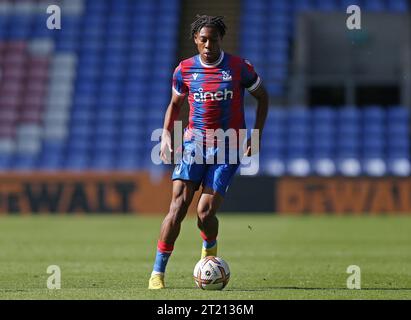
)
(261, 95)
(172, 113)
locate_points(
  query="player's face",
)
(208, 43)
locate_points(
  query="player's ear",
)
(195, 37)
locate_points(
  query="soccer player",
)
(214, 82)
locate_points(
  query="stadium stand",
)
(74, 98)
(326, 141)
(277, 19)
(89, 95)
(320, 140)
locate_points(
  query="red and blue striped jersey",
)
(215, 92)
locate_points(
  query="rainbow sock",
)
(208, 243)
(164, 251)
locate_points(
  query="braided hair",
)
(208, 21)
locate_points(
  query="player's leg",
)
(183, 192)
(216, 182)
(207, 221)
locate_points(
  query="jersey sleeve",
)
(179, 87)
(249, 78)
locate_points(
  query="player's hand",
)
(165, 148)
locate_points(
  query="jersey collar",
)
(215, 64)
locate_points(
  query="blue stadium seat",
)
(276, 115)
(81, 132)
(374, 5)
(112, 73)
(299, 113)
(323, 166)
(106, 145)
(98, 6)
(303, 5)
(130, 144)
(399, 150)
(323, 114)
(81, 116)
(89, 73)
(398, 114)
(278, 44)
(399, 167)
(67, 45)
(373, 148)
(327, 5)
(106, 116)
(103, 161)
(297, 131)
(5, 161)
(24, 162)
(273, 167)
(86, 60)
(349, 115)
(349, 166)
(323, 130)
(77, 161)
(91, 47)
(128, 162)
(94, 31)
(346, 3)
(108, 95)
(348, 131)
(279, 6)
(275, 89)
(279, 18)
(50, 147)
(131, 131)
(373, 132)
(79, 146)
(398, 6)
(132, 116)
(399, 147)
(374, 167)
(297, 148)
(105, 131)
(279, 32)
(348, 149)
(51, 164)
(300, 166)
(115, 58)
(323, 139)
(373, 114)
(279, 58)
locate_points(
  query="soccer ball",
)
(211, 273)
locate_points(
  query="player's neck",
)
(214, 63)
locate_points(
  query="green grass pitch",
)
(271, 257)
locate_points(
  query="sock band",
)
(208, 242)
(164, 251)
(209, 245)
(208, 239)
(164, 247)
